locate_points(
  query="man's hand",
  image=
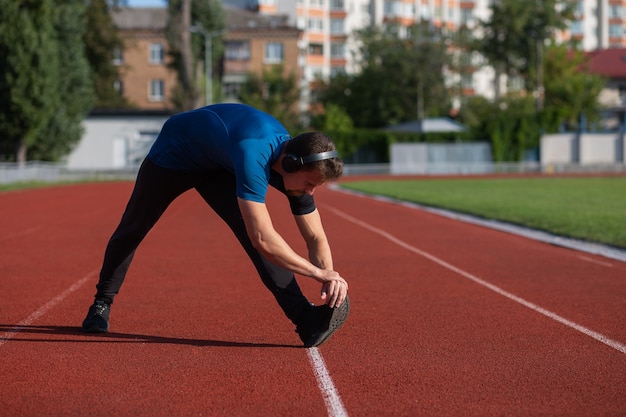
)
(334, 290)
(267, 241)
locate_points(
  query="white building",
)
(328, 47)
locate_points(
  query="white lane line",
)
(595, 335)
(334, 406)
(6, 336)
(581, 246)
(594, 261)
(22, 233)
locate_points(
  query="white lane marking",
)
(334, 406)
(22, 233)
(595, 335)
(578, 245)
(6, 336)
(595, 261)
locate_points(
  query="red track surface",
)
(194, 332)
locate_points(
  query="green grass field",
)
(24, 185)
(590, 208)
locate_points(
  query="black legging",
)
(155, 189)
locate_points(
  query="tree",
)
(401, 77)
(75, 94)
(514, 37)
(30, 72)
(186, 51)
(275, 93)
(45, 88)
(509, 124)
(335, 122)
(571, 91)
(101, 40)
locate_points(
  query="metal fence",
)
(35, 171)
(57, 172)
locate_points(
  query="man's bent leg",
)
(218, 190)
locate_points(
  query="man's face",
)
(302, 182)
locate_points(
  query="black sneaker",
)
(97, 320)
(320, 322)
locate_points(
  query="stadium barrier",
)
(36, 171)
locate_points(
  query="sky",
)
(146, 3)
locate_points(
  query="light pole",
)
(208, 61)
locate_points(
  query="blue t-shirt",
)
(235, 137)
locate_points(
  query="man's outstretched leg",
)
(154, 190)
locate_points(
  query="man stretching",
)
(230, 153)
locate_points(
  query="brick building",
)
(252, 42)
(145, 79)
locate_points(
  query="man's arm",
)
(267, 241)
(312, 231)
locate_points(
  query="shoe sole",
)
(93, 329)
(338, 317)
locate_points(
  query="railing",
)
(37, 171)
(58, 172)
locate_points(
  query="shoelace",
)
(100, 308)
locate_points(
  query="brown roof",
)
(150, 18)
(237, 18)
(610, 63)
(155, 18)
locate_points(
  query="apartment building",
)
(598, 24)
(145, 80)
(253, 42)
(315, 38)
(328, 46)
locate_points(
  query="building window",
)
(335, 71)
(467, 17)
(438, 12)
(273, 52)
(118, 86)
(156, 90)
(467, 80)
(336, 26)
(237, 51)
(337, 50)
(580, 8)
(316, 49)
(616, 31)
(392, 8)
(516, 83)
(336, 4)
(231, 90)
(118, 56)
(316, 25)
(157, 52)
(615, 11)
(576, 27)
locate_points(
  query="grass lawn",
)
(25, 185)
(589, 208)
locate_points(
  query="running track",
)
(448, 318)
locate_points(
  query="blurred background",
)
(404, 87)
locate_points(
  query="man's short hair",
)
(310, 143)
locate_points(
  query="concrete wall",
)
(585, 148)
(440, 158)
(115, 142)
